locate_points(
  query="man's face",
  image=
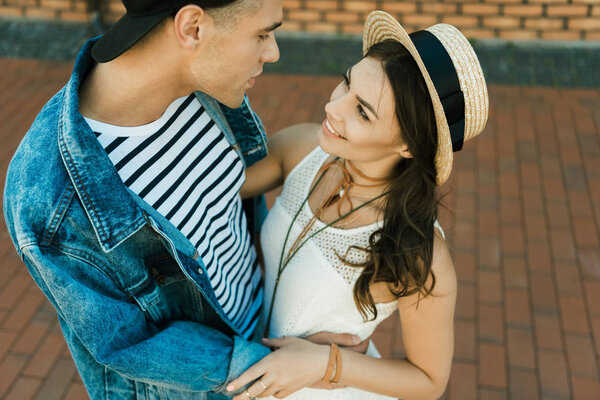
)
(234, 56)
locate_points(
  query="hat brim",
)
(125, 33)
(381, 26)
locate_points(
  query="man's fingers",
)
(360, 348)
(276, 342)
(341, 339)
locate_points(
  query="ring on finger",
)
(248, 394)
(262, 384)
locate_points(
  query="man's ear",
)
(192, 24)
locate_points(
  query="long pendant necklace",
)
(339, 193)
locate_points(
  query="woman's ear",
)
(403, 151)
(192, 24)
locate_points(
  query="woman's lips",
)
(328, 129)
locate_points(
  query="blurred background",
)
(523, 217)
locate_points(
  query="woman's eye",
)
(346, 80)
(362, 113)
(263, 37)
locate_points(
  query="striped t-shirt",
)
(184, 167)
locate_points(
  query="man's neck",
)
(126, 94)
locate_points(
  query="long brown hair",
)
(401, 252)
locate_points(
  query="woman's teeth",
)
(328, 125)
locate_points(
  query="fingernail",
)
(230, 388)
(265, 339)
(356, 339)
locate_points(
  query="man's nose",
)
(271, 53)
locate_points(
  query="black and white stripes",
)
(184, 167)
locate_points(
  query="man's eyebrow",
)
(272, 27)
(360, 99)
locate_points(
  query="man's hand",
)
(346, 340)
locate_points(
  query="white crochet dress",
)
(315, 291)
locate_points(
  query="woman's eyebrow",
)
(360, 99)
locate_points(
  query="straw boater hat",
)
(452, 74)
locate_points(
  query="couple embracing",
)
(135, 200)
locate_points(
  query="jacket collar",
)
(108, 203)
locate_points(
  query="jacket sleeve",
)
(183, 355)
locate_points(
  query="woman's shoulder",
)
(442, 265)
(295, 143)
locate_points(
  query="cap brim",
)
(124, 34)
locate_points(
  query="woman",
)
(354, 235)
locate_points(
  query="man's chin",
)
(233, 102)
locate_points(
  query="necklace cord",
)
(333, 197)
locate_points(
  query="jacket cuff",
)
(245, 354)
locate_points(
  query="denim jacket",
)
(133, 298)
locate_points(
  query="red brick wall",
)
(507, 19)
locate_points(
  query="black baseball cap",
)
(140, 18)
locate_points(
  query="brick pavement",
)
(523, 223)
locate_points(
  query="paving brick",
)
(24, 388)
(585, 389)
(573, 315)
(563, 248)
(581, 357)
(512, 240)
(463, 382)
(543, 292)
(521, 352)
(6, 342)
(489, 253)
(492, 365)
(10, 368)
(568, 279)
(465, 302)
(517, 307)
(464, 340)
(45, 357)
(589, 260)
(553, 374)
(491, 323)
(58, 381)
(76, 392)
(24, 310)
(464, 262)
(586, 234)
(515, 272)
(510, 210)
(492, 394)
(523, 385)
(30, 338)
(548, 334)
(490, 286)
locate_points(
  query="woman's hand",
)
(297, 363)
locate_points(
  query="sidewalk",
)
(524, 226)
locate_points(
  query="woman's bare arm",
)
(428, 334)
(286, 149)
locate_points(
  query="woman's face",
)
(360, 123)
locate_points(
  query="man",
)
(123, 202)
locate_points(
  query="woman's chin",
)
(325, 142)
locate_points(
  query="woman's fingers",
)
(260, 388)
(282, 394)
(251, 374)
